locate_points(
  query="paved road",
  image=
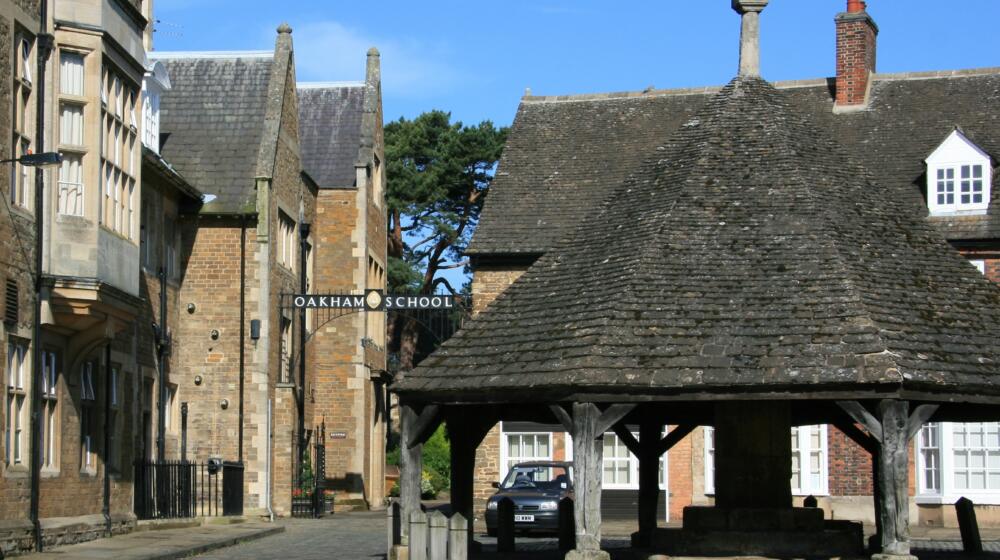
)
(346, 536)
(361, 536)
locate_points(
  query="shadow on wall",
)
(350, 482)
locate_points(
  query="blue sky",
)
(475, 58)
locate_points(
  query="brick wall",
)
(856, 57)
(489, 281)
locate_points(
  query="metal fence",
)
(308, 497)
(181, 489)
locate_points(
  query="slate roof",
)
(214, 116)
(330, 122)
(749, 254)
(564, 153)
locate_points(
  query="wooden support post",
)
(588, 454)
(411, 458)
(505, 526)
(437, 536)
(458, 537)
(417, 536)
(649, 481)
(567, 527)
(465, 434)
(393, 524)
(893, 477)
(972, 542)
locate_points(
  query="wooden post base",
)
(587, 555)
(893, 557)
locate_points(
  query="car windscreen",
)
(545, 479)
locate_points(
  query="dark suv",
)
(536, 489)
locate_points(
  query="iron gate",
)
(181, 489)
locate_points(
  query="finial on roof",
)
(285, 29)
(373, 52)
(750, 35)
(527, 92)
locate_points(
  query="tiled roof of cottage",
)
(564, 153)
(330, 122)
(749, 254)
(214, 116)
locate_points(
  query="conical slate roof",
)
(748, 255)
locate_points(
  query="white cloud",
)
(330, 51)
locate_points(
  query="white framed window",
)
(621, 469)
(958, 459)
(23, 100)
(929, 459)
(50, 411)
(809, 472)
(119, 158)
(958, 177)
(521, 447)
(71, 75)
(286, 241)
(71, 185)
(88, 400)
(286, 349)
(17, 414)
(809, 461)
(709, 460)
(114, 390)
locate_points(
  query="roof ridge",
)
(780, 84)
(209, 55)
(330, 85)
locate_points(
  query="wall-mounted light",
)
(192, 308)
(224, 403)
(255, 329)
(197, 380)
(215, 334)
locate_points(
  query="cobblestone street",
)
(353, 536)
(361, 535)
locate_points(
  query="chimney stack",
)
(856, 46)
(750, 11)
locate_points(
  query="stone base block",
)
(587, 555)
(753, 519)
(835, 540)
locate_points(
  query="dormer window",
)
(958, 177)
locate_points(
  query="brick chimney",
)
(856, 39)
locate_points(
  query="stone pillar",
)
(588, 455)
(753, 455)
(411, 459)
(750, 35)
(893, 478)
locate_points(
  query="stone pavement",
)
(166, 544)
(361, 536)
(344, 536)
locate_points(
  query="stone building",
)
(342, 145)
(240, 253)
(930, 138)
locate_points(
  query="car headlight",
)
(548, 506)
(491, 505)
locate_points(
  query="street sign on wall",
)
(373, 300)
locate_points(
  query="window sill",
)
(958, 213)
(51, 472)
(89, 472)
(984, 499)
(18, 470)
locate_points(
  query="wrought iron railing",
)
(181, 489)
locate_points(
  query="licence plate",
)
(524, 518)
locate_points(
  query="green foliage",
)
(438, 174)
(436, 475)
(308, 478)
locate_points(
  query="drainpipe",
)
(107, 438)
(267, 464)
(243, 326)
(303, 244)
(161, 372)
(45, 43)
